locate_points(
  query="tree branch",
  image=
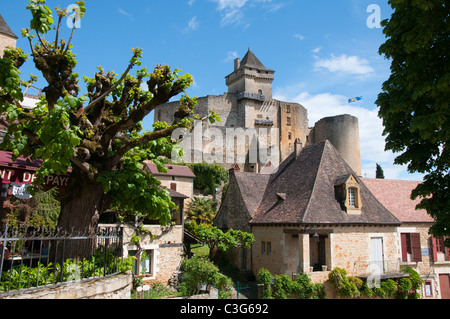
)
(70, 39)
(57, 32)
(104, 95)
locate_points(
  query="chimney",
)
(237, 64)
(298, 146)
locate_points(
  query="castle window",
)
(288, 109)
(288, 121)
(290, 135)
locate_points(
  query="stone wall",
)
(6, 41)
(115, 287)
(291, 251)
(165, 245)
(428, 269)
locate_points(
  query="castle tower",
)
(7, 37)
(251, 78)
(343, 132)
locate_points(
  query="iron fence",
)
(31, 257)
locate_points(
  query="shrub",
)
(264, 277)
(283, 287)
(198, 271)
(389, 287)
(403, 288)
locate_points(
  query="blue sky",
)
(323, 51)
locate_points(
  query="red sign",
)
(19, 176)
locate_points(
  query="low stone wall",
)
(114, 287)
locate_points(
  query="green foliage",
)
(215, 238)
(379, 172)
(200, 210)
(42, 210)
(265, 278)
(42, 16)
(71, 270)
(414, 102)
(208, 177)
(198, 271)
(99, 134)
(352, 287)
(283, 287)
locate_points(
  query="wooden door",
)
(444, 282)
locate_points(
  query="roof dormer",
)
(348, 194)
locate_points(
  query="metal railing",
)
(368, 268)
(31, 257)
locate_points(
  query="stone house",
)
(163, 245)
(313, 214)
(418, 249)
(178, 178)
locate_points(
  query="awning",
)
(23, 171)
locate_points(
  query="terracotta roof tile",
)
(172, 170)
(395, 195)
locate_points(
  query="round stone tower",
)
(343, 132)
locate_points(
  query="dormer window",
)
(347, 192)
(352, 201)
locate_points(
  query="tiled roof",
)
(308, 183)
(395, 195)
(252, 187)
(5, 29)
(172, 170)
(175, 194)
(250, 60)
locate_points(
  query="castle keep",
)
(258, 122)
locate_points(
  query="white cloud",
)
(231, 56)
(230, 4)
(232, 10)
(125, 13)
(370, 128)
(299, 36)
(316, 50)
(344, 64)
(193, 25)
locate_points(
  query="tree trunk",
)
(81, 205)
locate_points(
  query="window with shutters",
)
(411, 250)
(441, 253)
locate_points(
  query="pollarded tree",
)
(98, 135)
(414, 104)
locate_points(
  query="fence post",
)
(2, 253)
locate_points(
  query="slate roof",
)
(172, 170)
(252, 187)
(5, 29)
(308, 184)
(395, 195)
(250, 60)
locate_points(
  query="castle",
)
(258, 122)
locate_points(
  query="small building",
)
(418, 248)
(162, 246)
(178, 178)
